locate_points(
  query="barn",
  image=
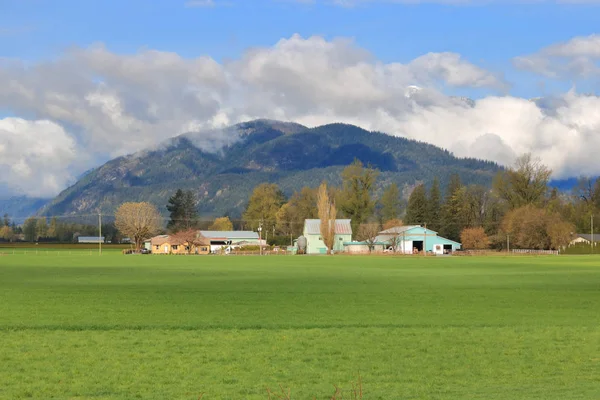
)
(314, 241)
(412, 239)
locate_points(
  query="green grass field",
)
(159, 327)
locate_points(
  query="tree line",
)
(519, 208)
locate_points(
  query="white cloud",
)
(105, 104)
(33, 156)
(200, 3)
(576, 58)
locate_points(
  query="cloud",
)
(99, 104)
(576, 58)
(200, 3)
(34, 156)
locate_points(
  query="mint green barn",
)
(314, 242)
(415, 238)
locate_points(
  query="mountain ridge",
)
(288, 154)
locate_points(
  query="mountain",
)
(21, 207)
(288, 154)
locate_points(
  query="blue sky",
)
(488, 35)
(85, 81)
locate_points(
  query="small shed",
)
(314, 241)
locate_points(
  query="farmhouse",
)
(90, 239)
(585, 238)
(314, 241)
(166, 244)
(220, 239)
(414, 238)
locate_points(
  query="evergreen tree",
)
(6, 220)
(434, 205)
(182, 208)
(390, 203)
(416, 211)
(356, 197)
(452, 210)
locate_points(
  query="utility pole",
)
(100, 233)
(592, 229)
(507, 243)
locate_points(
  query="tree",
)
(390, 203)
(291, 216)
(524, 184)
(6, 220)
(53, 228)
(452, 221)
(30, 229)
(416, 211)
(434, 205)
(189, 238)
(42, 227)
(7, 233)
(368, 233)
(530, 227)
(263, 205)
(221, 224)
(356, 196)
(139, 221)
(474, 238)
(183, 213)
(327, 214)
(392, 223)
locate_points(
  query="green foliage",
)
(356, 197)
(265, 202)
(390, 203)
(229, 327)
(30, 229)
(416, 211)
(453, 209)
(524, 184)
(182, 209)
(289, 155)
(434, 205)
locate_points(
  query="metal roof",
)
(588, 237)
(313, 227)
(229, 234)
(398, 229)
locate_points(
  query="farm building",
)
(314, 241)
(414, 238)
(220, 239)
(90, 239)
(357, 247)
(166, 244)
(585, 238)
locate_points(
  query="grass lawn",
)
(159, 327)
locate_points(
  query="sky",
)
(82, 82)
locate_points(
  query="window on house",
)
(157, 247)
(174, 247)
(205, 249)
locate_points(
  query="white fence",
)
(540, 252)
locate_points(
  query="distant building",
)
(314, 241)
(167, 244)
(90, 239)
(414, 239)
(224, 239)
(585, 238)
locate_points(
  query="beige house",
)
(167, 244)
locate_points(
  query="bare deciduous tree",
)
(327, 214)
(368, 233)
(139, 221)
(189, 238)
